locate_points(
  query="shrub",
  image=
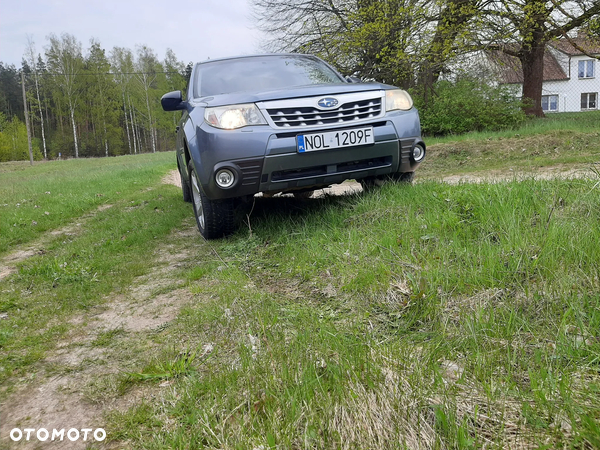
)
(468, 104)
(14, 145)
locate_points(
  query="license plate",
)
(335, 139)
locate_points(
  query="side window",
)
(187, 93)
(195, 81)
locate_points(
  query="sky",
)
(194, 29)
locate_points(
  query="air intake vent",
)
(251, 171)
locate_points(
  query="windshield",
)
(261, 73)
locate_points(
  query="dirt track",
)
(59, 393)
(545, 173)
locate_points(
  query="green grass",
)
(339, 316)
(74, 271)
(578, 122)
(421, 316)
(562, 141)
(498, 156)
(51, 194)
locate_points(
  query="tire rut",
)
(8, 264)
(57, 394)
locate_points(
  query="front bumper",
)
(265, 160)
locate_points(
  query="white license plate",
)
(335, 139)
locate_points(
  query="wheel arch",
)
(191, 150)
(186, 154)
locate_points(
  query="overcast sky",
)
(194, 29)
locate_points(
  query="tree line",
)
(90, 104)
(107, 103)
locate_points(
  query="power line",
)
(88, 74)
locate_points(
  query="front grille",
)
(307, 116)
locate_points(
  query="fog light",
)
(418, 152)
(225, 178)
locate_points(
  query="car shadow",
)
(288, 206)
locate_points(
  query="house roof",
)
(589, 45)
(511, 71)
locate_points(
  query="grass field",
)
(561, 141)
(421, 316)
(48, 195)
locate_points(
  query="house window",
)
(550, 102)
(589, 100)
(586, 69)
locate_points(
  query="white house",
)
(571, 77)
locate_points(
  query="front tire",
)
(405, 177)
(368, 184)
(215, 218)
(303, 194)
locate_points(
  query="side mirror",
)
(353, 80)
(173, 101)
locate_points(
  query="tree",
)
(11, 100)
(380, 42)
(147, 66)
(452, 19)
(523, 28)
(593, 27)
(101, 95)
(175, 79)
(175, 71)
(399, 41)
(30, 55)
(406, 42)
(305, 26)
(13, 140)
(122, 67)
(393, 41)
(65, 61)
(95, 104)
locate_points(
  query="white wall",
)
(569, 91)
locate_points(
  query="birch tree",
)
(65, 62)
(87, 104)
(31, 59)
(147, 66)
(102, 93)
(122, 67)
(174, 80)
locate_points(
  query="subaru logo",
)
(328, 102)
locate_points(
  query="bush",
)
(467, 105)
(14, 145)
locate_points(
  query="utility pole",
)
(27, 119)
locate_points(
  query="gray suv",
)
(285, 123)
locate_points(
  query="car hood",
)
(295, 92)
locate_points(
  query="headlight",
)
(397, 99)
(234, 116)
